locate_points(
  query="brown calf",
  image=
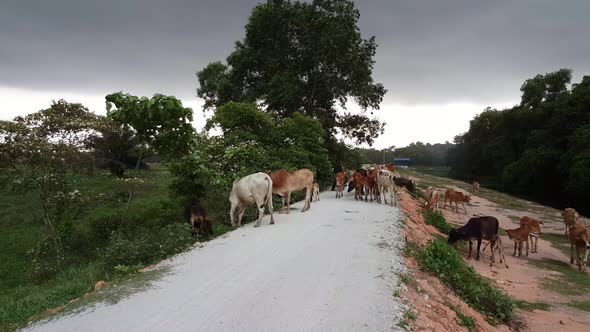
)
(570, 218)
(340, 179)
(315, 194)
(579, 237)
(534, 231)
(496, 244)
(519, 235)
(457, 197)
(195, 214)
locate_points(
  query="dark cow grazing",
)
(403, 182)
(477, 228)
(195, 214)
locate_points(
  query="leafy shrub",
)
(444, 261)
(436, 219)
(46, 259)
(148, 246)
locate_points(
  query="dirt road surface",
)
(333, 268)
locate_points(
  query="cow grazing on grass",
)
(519, 235)
(316, 192)
(433, 197)
(457, 197)
(477, 228)
(405, 183)
(579, 237)
(284, 183)
(534, 231)
(340, 178)
(255, 188)
(570, 218)
(195, 214)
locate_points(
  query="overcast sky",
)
(442, 61)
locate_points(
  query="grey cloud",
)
(430, 51)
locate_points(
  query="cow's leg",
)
(283, 204)
(260, 206)
(478, 247)
(527, 246)
(566, 229)
(571, 253)
(233, 215)
(585, 261)
(464, 208)
(288, 202)
(307, 204)
(241, 215)
(470, 248)
(515, 246)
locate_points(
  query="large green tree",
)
(301, 57)
(540, 148)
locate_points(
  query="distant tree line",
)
(421, 154)
(539, 148)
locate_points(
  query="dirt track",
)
(330, 269)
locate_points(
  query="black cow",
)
(477, 228)
(403, 182)
(195, 214)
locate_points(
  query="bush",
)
(444, 261)
(46, 259)
(148, 246)
(436, 219)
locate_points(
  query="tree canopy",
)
(539, 148)
(301, 57)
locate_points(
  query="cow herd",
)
(528, 232)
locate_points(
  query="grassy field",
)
(92, 249)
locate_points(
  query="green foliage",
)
(301, 57)
(444, 261)
(160, 122)
(545, 137)
(148, 246)
(436, 219)
(464, 320)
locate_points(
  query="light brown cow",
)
(284, 183)
(452, 195)
(433, 197)
(534, 231)
(315, 195)
(519, 235)
(496, 244)
(340, 180)
(475, 185)
(570, 218)
(579, 237)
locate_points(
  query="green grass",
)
(464, 320)
(558, 241)
(570, 281)
(443, 261)
(530, 306)
(21, 228)
(436, 219)
(408, 317)
(581, 305)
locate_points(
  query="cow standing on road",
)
(254, 188)
(284, 183)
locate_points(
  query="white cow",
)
(385, 183)
(254, 188)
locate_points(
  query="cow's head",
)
(467, 199)
(268, 171)
(454, 236)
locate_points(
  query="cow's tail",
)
(540, 222)
(268, 200)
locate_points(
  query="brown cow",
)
(315, 196)
(340, 179)
(519, 235)
(389, 167)
(458, 197)
(361, 184)
(579, 237)
(195, 214)
(570, 218)
(433, 196)
(284, 183)
(534, 231)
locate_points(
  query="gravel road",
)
(333, 268)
